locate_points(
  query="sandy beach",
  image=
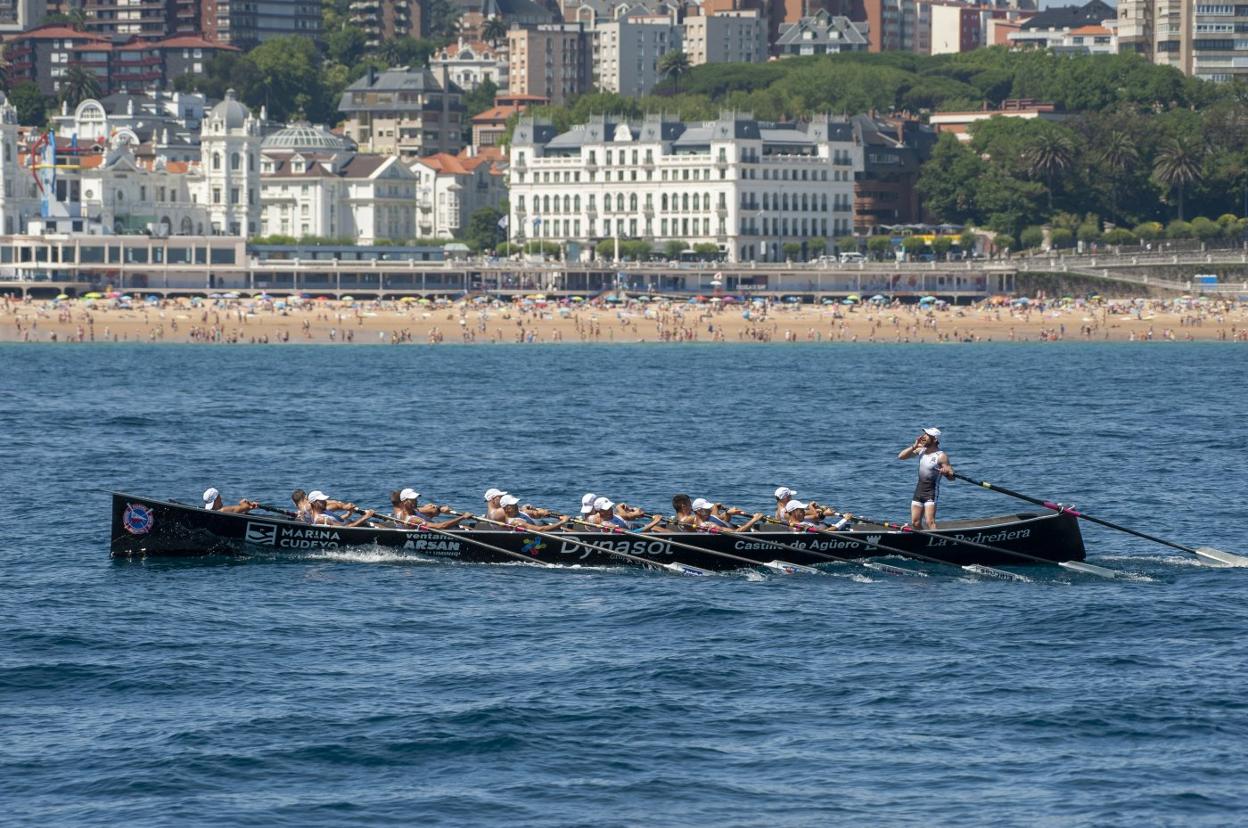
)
(272, 321)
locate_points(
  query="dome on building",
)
(233, 115)
(305, 137)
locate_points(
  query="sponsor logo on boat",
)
(309, 538)
(628, 547)
(532, 546)
(137, 519)
(261, 534)
(980, 537)
(873, 538)
(820, 545)
(445, 548)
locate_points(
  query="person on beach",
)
(321, 516)
(408, 512)
(933, 463)
(212, 502)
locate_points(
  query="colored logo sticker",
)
(137, 519)
(261, 533)
(532, 546)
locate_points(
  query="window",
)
(234, 161)
(216, 160)
(216, 195)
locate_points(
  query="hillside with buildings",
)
(748, 130)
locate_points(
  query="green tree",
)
(674, 65)
(346, 45)
(941, 246)
(674, 247)
(1119, 236)
(1119, 155)
(483, 232)
(78, 85)
(879, 246)
(1205, 229)
(494, 30)
(1148, 231)
(1088, 232)
(287, 80)
(847, 244)
(1032, 238)
(1179, 165)
(442, 19)
(817, 246)
(1050, 154)
(1179, 229)
(1061, 238)
(31, 104)
(480, 99)
(792, 250)
(706, 250)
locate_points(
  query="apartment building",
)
(552, 61)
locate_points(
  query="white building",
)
(314, 183)
(726, 37)
(470, 63)
(746, 186)
(629, 50)
(230, 167)
(450, 188)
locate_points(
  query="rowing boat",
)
(144, 526)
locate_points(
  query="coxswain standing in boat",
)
(607, 515)
(212, 502)
(512, 516)
(933, 462)
(321, 516)
(408, 512)
(304, 507)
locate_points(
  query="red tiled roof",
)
(192, 42)
(55, 32)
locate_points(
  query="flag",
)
(503, 222)
(537, 221)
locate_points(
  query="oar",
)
(1216, 555)
(1077, 566)
(677, 568)
(978, 569)
(887, 568)
(782, 567)
(426, 528)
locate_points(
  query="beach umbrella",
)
(62, 296)
(728, 300)
(441, 300)
(927, 299)
(613, 298)
(407, 300)
(347, 299)
(151, 297)
(424, 301)
(693, 300)
(716, 299)
(829, 301)
(125, 297)
(538, 297)
(93, 295)
(855, 297)
(879, 297)
(848, 301)
(793, 300)
(578, 298)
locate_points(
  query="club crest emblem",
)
(137, 519)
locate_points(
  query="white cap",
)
(793, 506)
(211, 495)
(508, 500)
(603, 504)
(932, 432)
(317, 497)
(587, 503)
(702, 503)
(409, 494)
(783, 492)
(490, 494)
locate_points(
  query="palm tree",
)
(674, 65)
(494, 30)
(1049, 155)
(1177, 165)
(77, 18)
(78, 85)
(1119, 155)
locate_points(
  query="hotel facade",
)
(746, 186)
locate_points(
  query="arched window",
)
(766, 201)
(632, 202)
(567, 204)
(576, 203)
(216, 160)
(706, 201)
(619, 202)
(684, 201)
(823, 202)
(235, 162)
(187, 226)
(697, 202)
(545, 204)
(663, 201)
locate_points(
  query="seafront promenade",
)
(43, 267)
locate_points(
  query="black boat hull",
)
(145, 526)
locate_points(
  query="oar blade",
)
(686, 569)
(889, 569)
(1208, 553)
(1093, 569)
(992, 572)
(790, 568)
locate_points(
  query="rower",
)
(684, 519)
(321, 516)
(933, 462)
(409, 513)
(587, 506)
(715, 516)
(512, 516)
(427, 509)
(493, 508)
(300, 498)
(783, 495)
(212, 502)
(607, 515)
(801, 515)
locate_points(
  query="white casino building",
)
(749, 187)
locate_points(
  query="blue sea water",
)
(362, 687)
